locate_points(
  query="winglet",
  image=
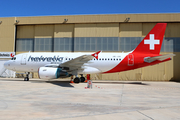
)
(96, 54)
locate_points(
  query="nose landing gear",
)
(27, 77)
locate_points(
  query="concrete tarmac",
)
(107, 100)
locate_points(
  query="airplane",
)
(58, 65)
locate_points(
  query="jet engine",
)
(51, 73)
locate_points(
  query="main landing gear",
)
(27, 77)
(78, 80)
(82, 78)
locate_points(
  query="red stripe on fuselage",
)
(138, 63)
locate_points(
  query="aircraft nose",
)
(7, 64)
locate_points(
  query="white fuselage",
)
(31, 62)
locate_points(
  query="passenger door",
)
(23, 59)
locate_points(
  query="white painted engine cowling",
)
(51, 73)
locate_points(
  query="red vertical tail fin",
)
(152, 43)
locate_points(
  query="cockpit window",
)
(14, 58)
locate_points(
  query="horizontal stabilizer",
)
(161, 58)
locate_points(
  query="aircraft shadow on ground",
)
(55, 82)
(11, 80)
(67, 84)
(134, 83)
(61, 83)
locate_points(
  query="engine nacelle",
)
(51, 73)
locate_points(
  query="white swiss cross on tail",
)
(151, 41)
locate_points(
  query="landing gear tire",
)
(26, 79)
(82, 79)
(27, 76)
(76, 80)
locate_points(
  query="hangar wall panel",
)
(44, 31)
(112, 76)
(154, 73)
(96, 77)
(7, 31)
(7, 45)
(176, 66)
(63, 37)
(146, 28)
(25, 31)
(94, 37)
(7, 34)
(130, 30)
(64, 30)
(25, 38)
(43, 38)
(25, 44)
(107, 30)
(130, 75)
(85, 30)
(172, 30)
(96, 30)
(169, 71)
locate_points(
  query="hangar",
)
(90, 33)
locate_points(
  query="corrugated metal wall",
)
(61, 31)
(130, 30)
(96, 30)
(7, 34)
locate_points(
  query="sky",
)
(17, 8)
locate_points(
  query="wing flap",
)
(161, 58)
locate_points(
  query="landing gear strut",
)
(27, 77)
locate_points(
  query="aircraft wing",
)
(79, 62)
(161, 58)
